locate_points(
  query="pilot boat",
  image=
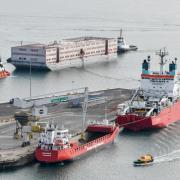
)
(144, 160)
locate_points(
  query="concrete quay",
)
(11, 152)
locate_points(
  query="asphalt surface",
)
(62, 115)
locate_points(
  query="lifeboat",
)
(4, 74)
(144, 160)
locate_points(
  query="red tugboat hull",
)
(166, 116)
(55, 156)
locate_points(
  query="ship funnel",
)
(173, 67)
(145, 66)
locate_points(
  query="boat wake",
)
(110, 77)
(172, 156)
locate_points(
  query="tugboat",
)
(57, 145)
(156, 103)
(144, 160)
(3, 72)
(123, 47)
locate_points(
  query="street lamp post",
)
(30, 73)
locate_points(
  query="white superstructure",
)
(66, 53)
(176, 90)
(53, 138)
(160, 82)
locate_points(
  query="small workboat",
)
(144, 160)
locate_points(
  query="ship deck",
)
(87, 137)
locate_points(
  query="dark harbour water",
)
(149, 24)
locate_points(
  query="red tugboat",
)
(3, 72)
(155, 104)
(56, 145)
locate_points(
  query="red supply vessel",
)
(156, 103)
(56, 145)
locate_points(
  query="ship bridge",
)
(158, 83)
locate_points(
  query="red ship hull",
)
(4, 74)
(164, 118)
(55, 156)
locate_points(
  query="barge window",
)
(34, 50)
(22, 49)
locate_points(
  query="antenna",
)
(120, 33)
(175, 59)
(162, 53)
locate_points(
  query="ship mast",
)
(162, 54)
(120, 33)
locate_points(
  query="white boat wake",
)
(172, 156)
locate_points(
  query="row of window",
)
(50, 50)
(24, 58)
(51, 59)
(73, 55)
(159, 80)
(89, 44)
(165, 79)
(155, 87)
(27, 54)
(52, 54)
(77, 55)
(90, 48)
(68, 52)
(32, 50)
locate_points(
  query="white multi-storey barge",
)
(72, 52)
